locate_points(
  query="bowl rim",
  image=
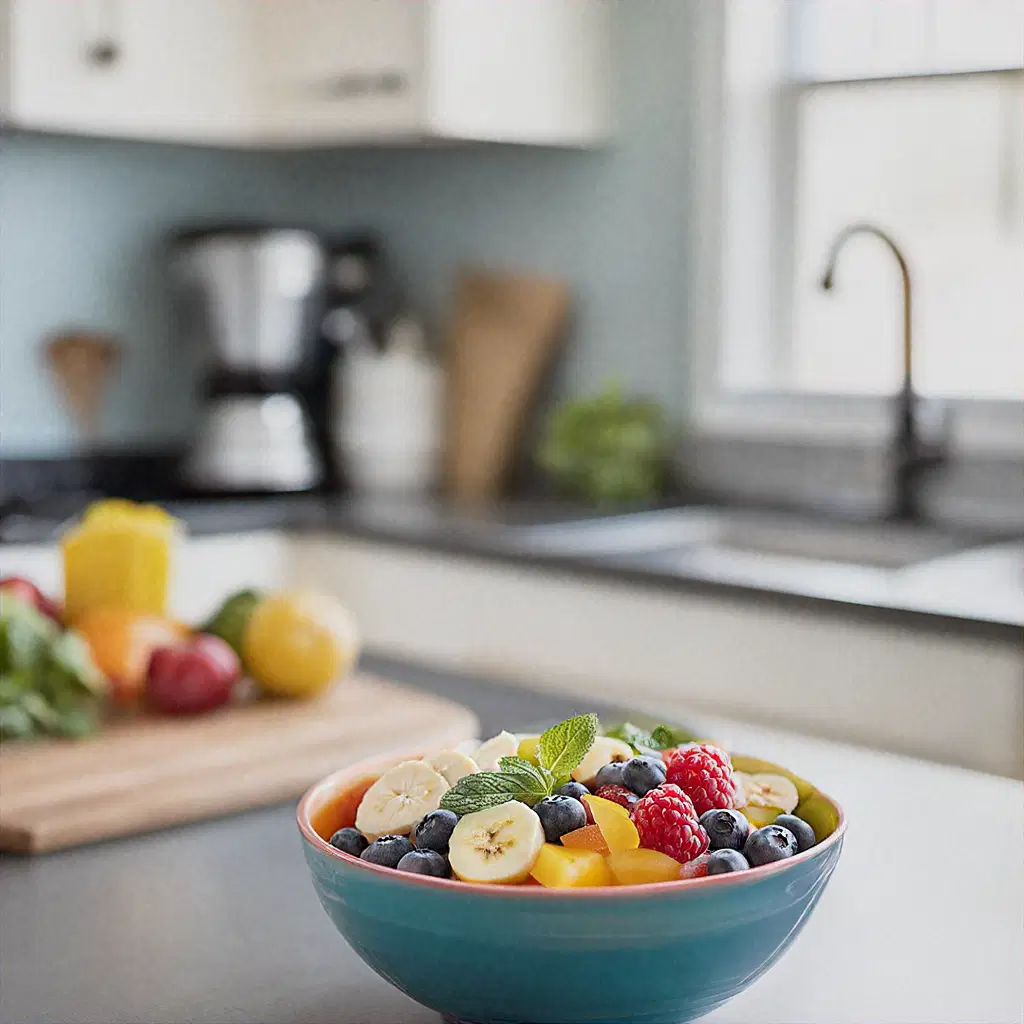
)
(337, 781)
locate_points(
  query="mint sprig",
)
(560, 749)
(563, 746)
(489, 789)
(667, 736)
(661, 737)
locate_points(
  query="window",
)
(905, 114)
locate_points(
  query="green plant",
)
(607, 448)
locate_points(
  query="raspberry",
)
(667, 822)
(696, 868)
(704, 774)
(619, 795)
(716, 752)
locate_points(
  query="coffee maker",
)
(251, 299)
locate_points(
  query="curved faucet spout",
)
(828, 280)
(912, 457)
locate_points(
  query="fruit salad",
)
(575, 807)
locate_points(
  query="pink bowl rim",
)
(320, 792)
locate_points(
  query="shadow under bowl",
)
(491, 954)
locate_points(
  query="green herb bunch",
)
(48, 681)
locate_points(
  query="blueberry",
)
(768, 844)
(350, 840)
(574, 789)
(721, 862)
(802, 832)
(609, 775)
(642, 774)
(387, 851)
(425, 862)
(560, 814)
(727, 829)
(434, 831)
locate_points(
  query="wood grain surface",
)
(147, 772)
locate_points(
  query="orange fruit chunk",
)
(590, 837)
(638, 867)
(615, 823)
(121, 641)
(559, 867)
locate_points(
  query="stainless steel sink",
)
(726, 534)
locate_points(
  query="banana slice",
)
(468, 747)
(453, 765)
(603, 751)
(499, 845)
(490, 753)
(399, 798)
(765, 789)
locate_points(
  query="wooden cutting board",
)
(504, 334)
(148, 772)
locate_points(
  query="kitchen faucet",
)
(912, 457)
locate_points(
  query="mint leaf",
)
(563, 746)
(664, 737)
(534, 780)
(639, 739)
(485, 789)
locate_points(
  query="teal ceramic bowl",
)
(494, 954)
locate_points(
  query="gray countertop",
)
(970, 609)
(217, 923)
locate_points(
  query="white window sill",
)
(973, 429)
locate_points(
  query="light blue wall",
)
(82, 223)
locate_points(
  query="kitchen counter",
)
(957, 599)
(217, 923)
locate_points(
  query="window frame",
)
(988, 427)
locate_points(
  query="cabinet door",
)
(341, 70)
(161, 69)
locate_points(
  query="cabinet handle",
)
(102, 49)
(362, 84)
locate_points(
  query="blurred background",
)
(666, 353)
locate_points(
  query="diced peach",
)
(638, 867)
(560, 867)
(608, 807)
(590, 837)
(615, 823)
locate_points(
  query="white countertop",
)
(923, 920)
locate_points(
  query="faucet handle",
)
(935, 428)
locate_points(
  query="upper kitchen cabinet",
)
(177, 70)
(310, 72)
(526, 71)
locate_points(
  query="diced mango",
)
(615, 823)
(559, 867)
(590, 837)
(638, 867)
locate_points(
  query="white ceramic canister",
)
(389, 416)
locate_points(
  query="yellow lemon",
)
(297, 643)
